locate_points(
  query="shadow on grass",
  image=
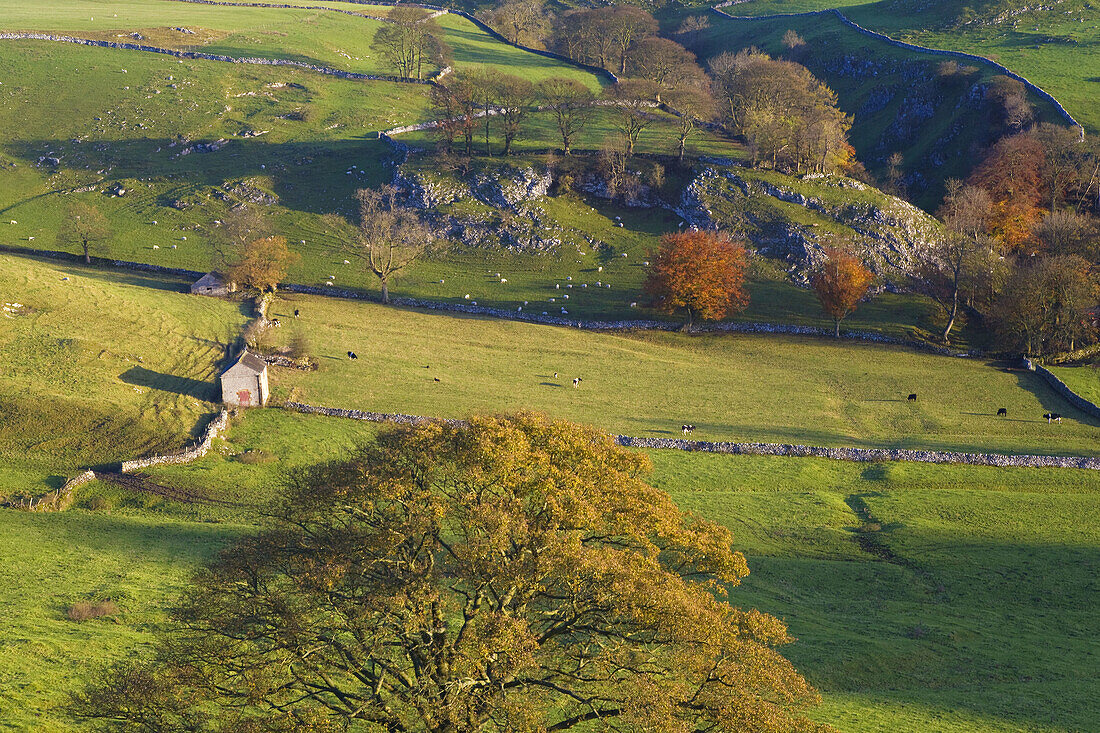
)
(142, 377)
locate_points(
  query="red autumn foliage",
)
(702, 273)
(840, 282)
(1012, 174)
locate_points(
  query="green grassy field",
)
(976, 620)
(1084, 380)
(100, 367)
(54, 560)
(733, 387)
(313, 36)
(1053, 46)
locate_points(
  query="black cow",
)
(686, 429)
(296, 313)
(912, 397)
(352, 355)
(1053, 417)
(1002, 412)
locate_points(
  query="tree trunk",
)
(951, 316)
(87, 257)
(681, 151)
(385, 290)
(836, 332)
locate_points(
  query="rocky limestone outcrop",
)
(895, 236)
(514, 219)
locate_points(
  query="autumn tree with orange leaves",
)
(701, 273)
(1012, 173)
(505, 575)
(840, 282)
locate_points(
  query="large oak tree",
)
(510, 574)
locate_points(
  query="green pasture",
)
(54, 560)
(312, 36)
(1058, 49)
(1084, 380)
(974, 617)
(733, 387)
(98, 367)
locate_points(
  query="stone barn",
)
(244, 384)
(213, 285)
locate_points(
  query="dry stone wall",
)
(1063, 389)
(923, 49)
(216, 427)
(339, 73)
(861, 455)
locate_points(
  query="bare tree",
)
(571, 104)
(84, 226)
(390, 235)
(694, 105)
(633, 108)
(411, 40)
(516, 98)
(520, 21)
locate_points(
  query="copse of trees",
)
(701, 273)
(603, 36)
(511, 574)
(789, 119)
(411, 42)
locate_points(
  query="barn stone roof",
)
(209, 280)
(249, 361)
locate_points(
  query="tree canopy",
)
(699, 272)
(506, 574)
(840, 281)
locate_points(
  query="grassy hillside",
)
(98, 367)
(971, 616)
(52, 561)
(314, 36)
(899, 99)
(1057, 47)
(651, 383)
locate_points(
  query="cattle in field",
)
(352, 355)
(1053, 417)
(576, 382)
(912, 397)
(687, 429)
(1002, 412)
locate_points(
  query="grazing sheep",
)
(1002, 412)
(156, 246)
(687, 429)
(912, 397)
(1053, 417)
(352, 355)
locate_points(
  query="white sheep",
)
(156, 246)
(328, 282)
(599, 269)
(633, 305)
(503, 280)
(466, 296)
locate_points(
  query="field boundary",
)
(524, 317)
(1000, 68)
(859, 455)
(1082, 404)
(198, 55)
